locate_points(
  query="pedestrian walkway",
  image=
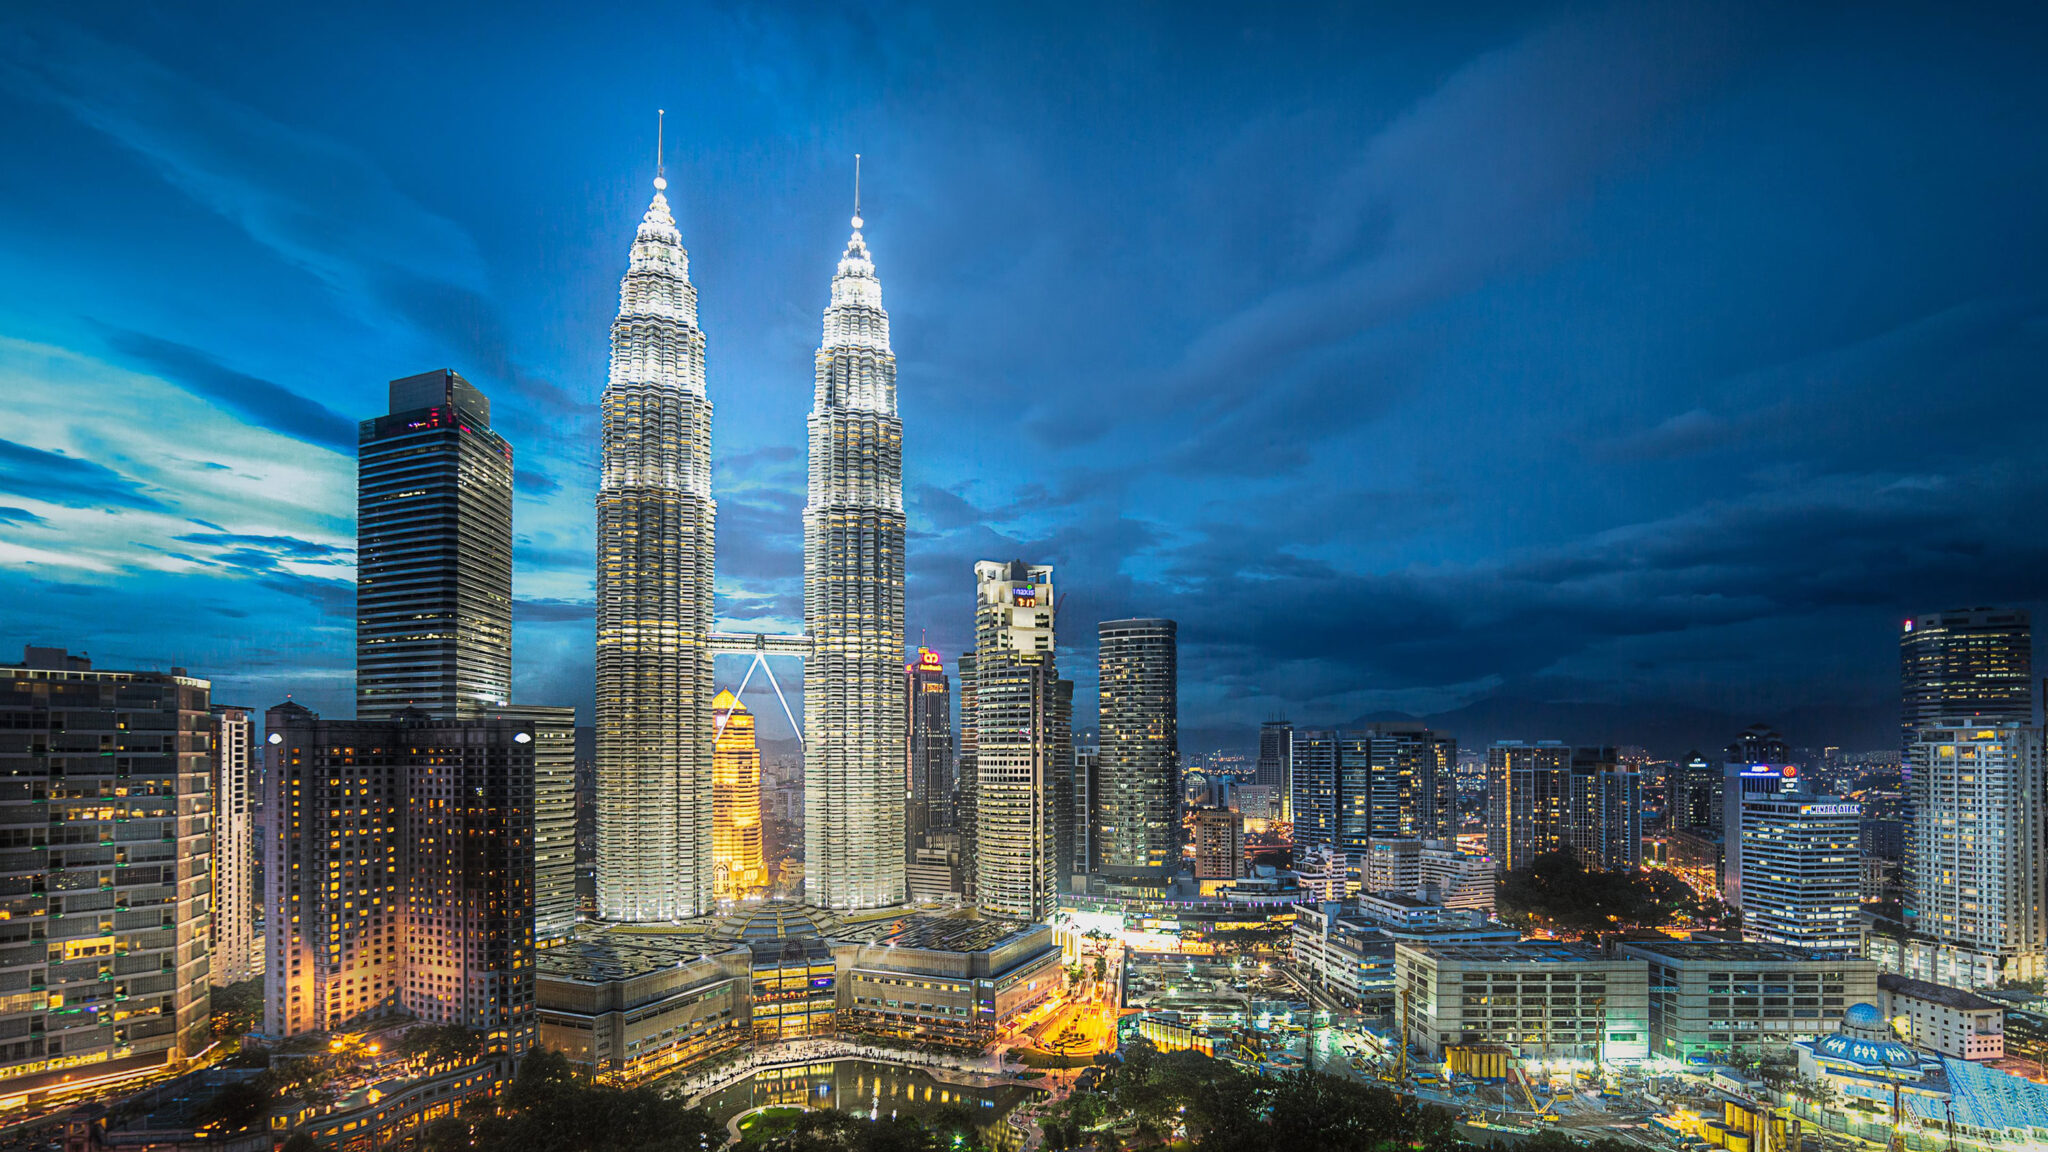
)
(978, 1071)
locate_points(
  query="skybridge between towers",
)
(760, 646)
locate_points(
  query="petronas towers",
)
(655, 518)
(854, 714)
(655, 622)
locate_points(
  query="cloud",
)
(532, 482)
(60, 479)
(261, 402)
(547, 611)
(1690, 432)
(286, 547)
(318, 204)
(529, 555)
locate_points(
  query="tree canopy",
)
(1151, 1099)
(547, 1109)
(1558, 892)
(830, 1130)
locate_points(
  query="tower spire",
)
(660, 176)
(856, 190)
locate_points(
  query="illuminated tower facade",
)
(1137, 811)
(1020, 790)
(853, 604)
(231, 739)
(1967, 664)
(736, 864)
(654, 594)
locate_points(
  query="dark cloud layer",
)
(260, 402)
(64, 479)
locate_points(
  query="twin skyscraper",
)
(656, 629)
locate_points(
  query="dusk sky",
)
(1634, 356)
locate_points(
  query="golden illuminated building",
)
(736, 864)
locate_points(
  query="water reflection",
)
(864, 1088)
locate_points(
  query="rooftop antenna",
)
(660, 177)
(856, 189)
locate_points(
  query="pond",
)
(865, 1088)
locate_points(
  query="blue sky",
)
(1619, 355)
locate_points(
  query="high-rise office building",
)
(1607, 825)
(1387, 780)
(1794, 870)
(1066, 831)
(1318, 758)
(1137, 809)
(966, 774)
(853, 604)
(1548, 797)
(1219, 844)
(103, 947)
(400, 873)
(1524, 789)
(1965, 666)
(1275, 767)
(735, 802)
(555, 901)
(1758, 744)
(655, 521)
(1018, 802)
(1087, 785)
(1695, 788)
(231, 747)
(928, 761)
(1977, 845)
(433, 553)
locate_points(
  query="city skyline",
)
(1650, 568)
(1386, 577)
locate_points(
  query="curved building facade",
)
(655, 518)
(1137, 812)
(853, 604)
(736, 802)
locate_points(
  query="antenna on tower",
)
(856, 189)
(660, 176)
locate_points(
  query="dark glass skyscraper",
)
(1276, 762)
(1969, 664)
(433, 553)
(928, 766)
(1759, 744)
(1695, 788)
(1137, 810)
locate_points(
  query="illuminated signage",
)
(1025, 597)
